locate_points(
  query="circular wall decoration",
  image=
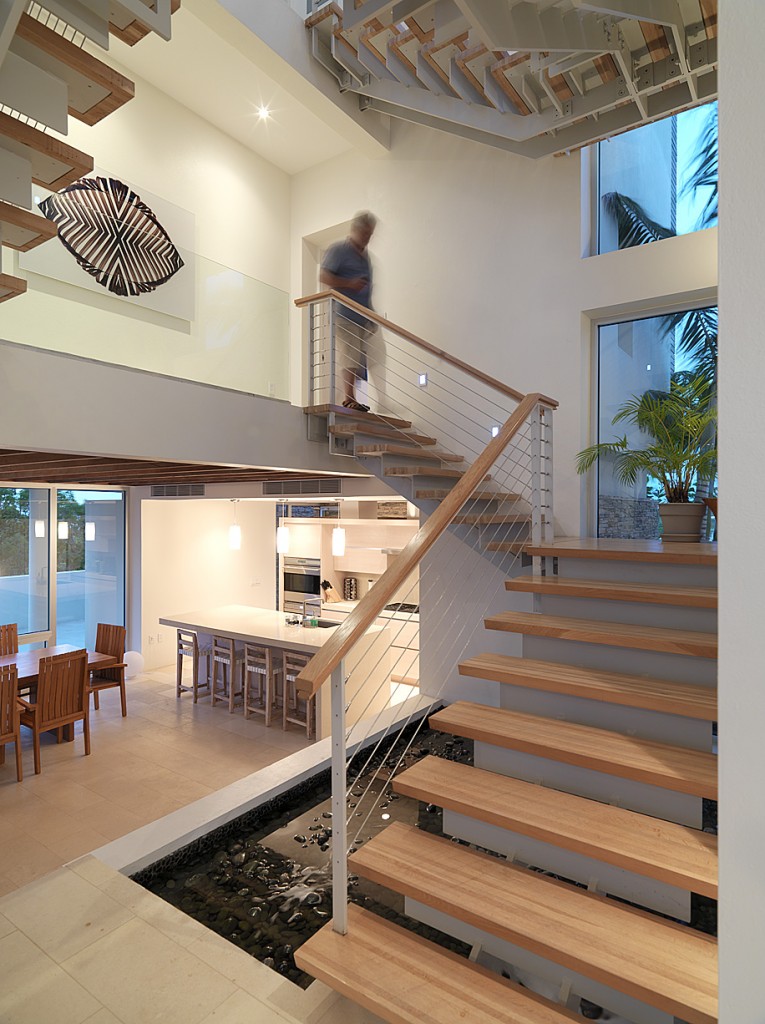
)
(113, 235)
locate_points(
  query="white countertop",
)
(348, 606)
(260, 625)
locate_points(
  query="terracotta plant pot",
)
(681, 521)
(711, 504)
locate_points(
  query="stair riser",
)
(649, 725)
(656, 664)
(617, 1002)
(704, 620)
(646, 892)
(683, 808)
(638, 572)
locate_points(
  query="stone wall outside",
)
(630, 518)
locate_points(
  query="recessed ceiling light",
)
(263, 113)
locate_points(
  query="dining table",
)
(28, 662)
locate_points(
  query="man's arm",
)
(351, 284)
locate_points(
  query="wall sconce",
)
(235, 531)
(63, 531)
(494, 431)
(39, 527)
(90, 531)
(338, 541)
(282, 540)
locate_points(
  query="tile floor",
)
(164, 755)
(81, 943)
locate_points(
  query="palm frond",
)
(634, 225)
(704, 172)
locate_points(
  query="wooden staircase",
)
(593, 769)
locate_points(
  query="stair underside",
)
(23, 230)
(415, 453)
(381, 430)
(11, 286)
(611, 687)
(436, 471)
(670, 553)
(354, 414)
(659, 764)
(515, 547)
(652, 959)
(440, 493)
(661, 850)
(54, 164)
(612, 590)
(405, 979)
(614, 634)
(498, 518)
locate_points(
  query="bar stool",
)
(189, 646)
(261, 690)
(296, 708)
(226, 657)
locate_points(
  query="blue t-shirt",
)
(343, 259)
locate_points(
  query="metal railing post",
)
(537, 486)
(339, 823)
(548, 527)
(331, 339)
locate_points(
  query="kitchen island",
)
(368, 665)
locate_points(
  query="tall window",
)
(659, 180)
(24, 548)
(91, 564)
(635, 357)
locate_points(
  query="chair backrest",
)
(294, 663)
(9, 706)
(110, 640)
(223, 650)
(61, 686)
(257, 659)
(9, 638)
(188, 643)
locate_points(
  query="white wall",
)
(186, 563)
(478, 252)
(242, 209)
(742, 430)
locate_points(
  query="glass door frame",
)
(48, 636)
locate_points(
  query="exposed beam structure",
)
(530, 76)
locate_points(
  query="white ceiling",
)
(202, 70)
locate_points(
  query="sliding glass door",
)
(24, 554)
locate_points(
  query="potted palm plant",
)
(681, 426)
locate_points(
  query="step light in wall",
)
(494, 431)
(338, 541)
(282, 540)
(235, 531)
(422, 380)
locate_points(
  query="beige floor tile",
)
(6, 926)
(236, 965)
(64, 793)
(93, 870)
(242, 1008)
(346, 1012)
(110, 820)
(27, 859)
(143, 976)
(103, 1016)
(40, 992)
(84, 913)
(307, 1005)
(75, 845)
(6, 885)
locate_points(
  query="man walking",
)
(347, 269)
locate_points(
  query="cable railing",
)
(479, 522)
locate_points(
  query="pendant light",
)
(282, 540)
(338, 541)
(235, 531)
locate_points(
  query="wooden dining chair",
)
(62, 699)
(109, 640)
(296, 708)
(10, 709)
(189, 646)
(229, 688)
(261, 675)
(9, 638)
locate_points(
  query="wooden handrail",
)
(348, 633)
(389, 325)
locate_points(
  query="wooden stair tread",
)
(657, 961)
(22, 229)
(515, 547)
(415, 453)
(629, 550)
(661, 850)
(54, 164)
(611, 687)
(497, 518)
(439, 493)
(615, 634)
(354, 414)
(659, 764)
(405, 979)
(408, 680)
(378, 430)
(437, 471)
(614, 590)
(11, 286)
(94, 89)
